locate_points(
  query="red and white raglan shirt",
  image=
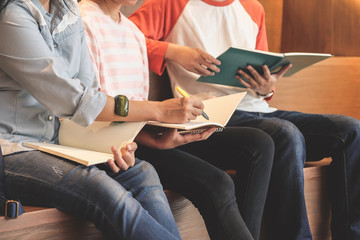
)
(118, 51)
(206, 24)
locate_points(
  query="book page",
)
(85, 157)
(302, 60)
(99, 136)
(218, 109)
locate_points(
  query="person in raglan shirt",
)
(118, 51)
(182, 33)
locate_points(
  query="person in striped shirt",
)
(118, 50)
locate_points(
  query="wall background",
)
(328, 26)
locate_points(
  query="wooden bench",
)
(49, 223)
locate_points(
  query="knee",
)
(150, 175)
(258, 141)
(261, 147)
(288, 134)
(221, 187)
(290, 146)
(349, 126)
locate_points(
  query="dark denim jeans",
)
(301, 137)
(196, 170)
(127, 205)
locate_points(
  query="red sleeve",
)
(257, 13)
(156, 18)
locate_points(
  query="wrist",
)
(267, 95)
(155, 113)
(170, 53)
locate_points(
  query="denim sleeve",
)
(62, 79)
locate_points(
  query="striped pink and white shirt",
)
(118, 51)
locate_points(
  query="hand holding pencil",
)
(186, 95)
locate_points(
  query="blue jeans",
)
(301, 137)
(196, 170)
(128, 205)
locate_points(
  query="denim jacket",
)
(45, 73)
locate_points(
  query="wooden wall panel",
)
(331, 86)
(346, 28)
(321, 26)
(306, 26)
(273, 18)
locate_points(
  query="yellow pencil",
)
(186, 95)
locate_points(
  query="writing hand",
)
(180, 110)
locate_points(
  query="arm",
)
(40, 71)
(35, 72)
(264, 84)
(175, 110)
(156, 19)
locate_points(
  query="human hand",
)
(193, 59)
(123, 158)
(180, 110)
(171, 138)
(262, 84)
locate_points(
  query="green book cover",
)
(234, 59)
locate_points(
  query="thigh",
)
(42, 179)
(234, 148)
(267, 122)
(181, 170)
(323, 133)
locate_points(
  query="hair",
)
(4, 4)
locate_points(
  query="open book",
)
(234, 59)
(92, 145)
(218, 109)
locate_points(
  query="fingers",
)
(209, 58)
(205, 70)
(128, 154)
(267, 73)
(283, 70)
(264, 83)
(124, 158)
(250, 81)
(207, 64)
(172, 138)
(207, 133)
(193, 107)
(191, 137)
